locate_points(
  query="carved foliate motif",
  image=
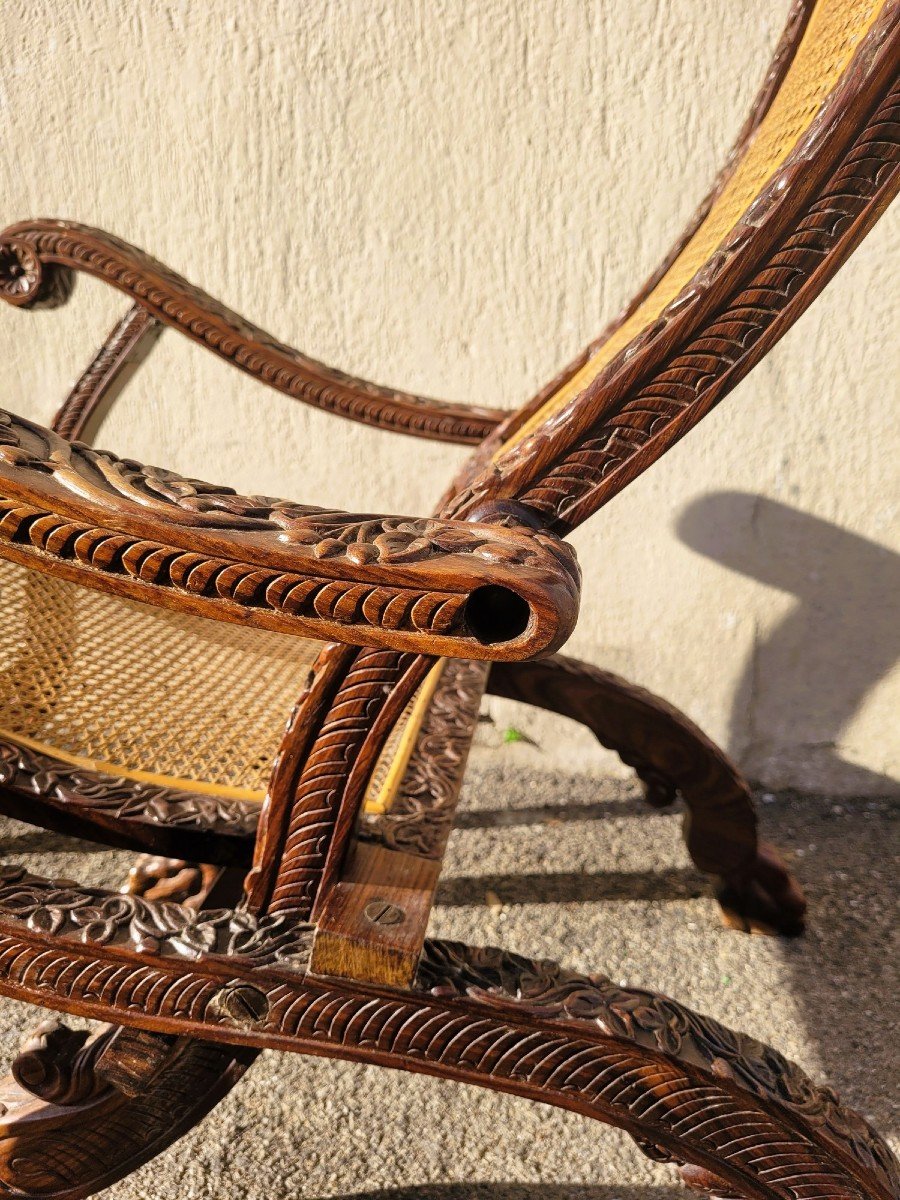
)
(677, 1080)
(328, 534)
(118, 358)
(337, 572)
(58, 1064)
(701, 367)
(298, 860)
(657, 1021)
(87, 791)
(100, 1137)
(421, 815)
(59, 908)
(687, 1088)
(26, 281)
(607, 434)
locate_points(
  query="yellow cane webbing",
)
(394, 758)
(132, 690)
(138, 691)
(833, 33)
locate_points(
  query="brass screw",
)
(242, 1004)
(380, 912)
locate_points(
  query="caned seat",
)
(179, 700)
(254, 683)
(162, 698)
(119, 686)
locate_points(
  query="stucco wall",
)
(453, 196)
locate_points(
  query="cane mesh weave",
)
(135, 688)
(834, 31)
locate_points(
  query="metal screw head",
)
(380, 912)
(242, 1004)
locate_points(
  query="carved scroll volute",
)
(58, 1065)
(28, 282)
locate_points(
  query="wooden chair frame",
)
(310, 935)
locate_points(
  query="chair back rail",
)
(598, 426)
(590, 439)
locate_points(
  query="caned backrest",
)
(831, 37)
(811, 173)
(106, 680)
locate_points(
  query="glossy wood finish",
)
(37, 263)
(53, 1151)
(81, 1111)
(453, 588)
(671, 1078)
(372, 921)
(673, 758)
(314, 958)
(103, 381)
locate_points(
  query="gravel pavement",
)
(577, 869)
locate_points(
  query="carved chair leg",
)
(742, 1117)
(80, 1111)
(737, 1118)
(734, 1115)
(75, 1116)
(672, 757)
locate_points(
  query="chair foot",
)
(763, 897)
(73, 1130)
(672, 758)
(680, 1083)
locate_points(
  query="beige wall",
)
(453, 196)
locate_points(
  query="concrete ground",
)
(575, 869)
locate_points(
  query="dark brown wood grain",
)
(420, 816)
(81, 1110)
(37, 263)
(105, 378)
(309, 842)
(374, 913)
(326, 952)
(59, 1065)
(372, 922)
(68, 1152)
(677, 1080)
(149, 534)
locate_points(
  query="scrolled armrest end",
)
(27, 281)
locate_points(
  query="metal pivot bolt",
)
(242, 1004)
(380, 912)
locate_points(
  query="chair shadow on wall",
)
(806, 679)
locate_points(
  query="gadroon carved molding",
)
(37, 264)
(435, 586)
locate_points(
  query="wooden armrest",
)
(449, 588)
(37, 259)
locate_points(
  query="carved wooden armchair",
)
(374, 638)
